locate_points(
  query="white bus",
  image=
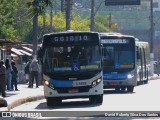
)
(71, 67)
(126, 61)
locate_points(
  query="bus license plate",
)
(76, 83)
(73, 91)
(113, 83)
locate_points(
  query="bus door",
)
(141, 64)
(145, 68)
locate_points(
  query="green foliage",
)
(101, 23)
(23, 21)
(59, 22)
(78, 24)
(101, 28)
(16, 19)
(8, 9)
(10, 33)
(39, 6)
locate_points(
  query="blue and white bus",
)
(71, 65)
(126, 61)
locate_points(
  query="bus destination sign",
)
(114, 41)
(72, 38)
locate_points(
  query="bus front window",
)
(118, 57)
(71, 58)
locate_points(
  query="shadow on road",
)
(109, 91)
(68, 104)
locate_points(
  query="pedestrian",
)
(27, 73)
(2, 78)
(34, 68)
(8, 74)
(14, 76)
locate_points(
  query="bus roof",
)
(114, 34)
(69, 32)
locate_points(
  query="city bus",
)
(72, 66)
(126, 61)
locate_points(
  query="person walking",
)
(2, 78)
(14, 76)
(8, 74)
(27, 73)
(34, 68)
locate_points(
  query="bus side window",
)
(137, 52)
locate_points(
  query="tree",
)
(8, 10)
(80, 24)
(23, 21)
(39, 8)
(59, 24)
(101, 23)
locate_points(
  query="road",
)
(145, 98)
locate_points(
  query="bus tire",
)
(130, 88)
(117, 89)
(99, 99)
(53, 101)
(146, 81)
(96, 99)
(123, 88)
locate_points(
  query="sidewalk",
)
(16, 98)
(154, 77)
(25, 94)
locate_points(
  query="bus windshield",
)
(73, 58)
(118, 57)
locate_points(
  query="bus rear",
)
(72, 67)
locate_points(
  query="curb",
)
(154, 78)
(21, 101)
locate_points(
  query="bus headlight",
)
(129, 76)
(96, 82)
(46, 83)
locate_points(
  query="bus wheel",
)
(130, 88)
(99, 99)
(123, 88)
(117, 89)
(96, 99)
(53, 101)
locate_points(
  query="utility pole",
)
(51, 15)
(55, 4)
(35, 29)
(109, 20)
(151, 37)
(62, 5)
(68, 14)
(92, 15)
